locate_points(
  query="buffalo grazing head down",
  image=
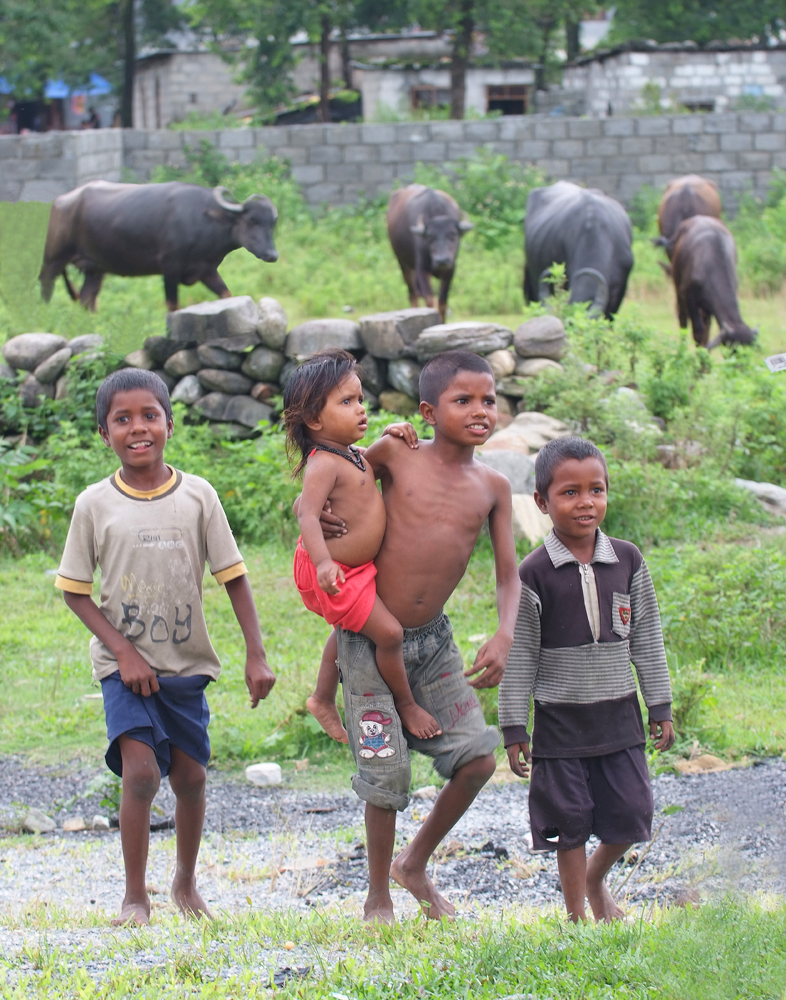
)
(741, 335)
(441, 236)
(254, 222)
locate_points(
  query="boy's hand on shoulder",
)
(663, 734)
(135, 672)
(490, 662)
(259, 679)
(405, 431)
(329, 574)
(519, 758)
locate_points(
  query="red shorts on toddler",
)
(351, 608)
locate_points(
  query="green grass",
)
(725, 951)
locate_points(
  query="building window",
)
(510, 98)
(699, 106)
(429, 97)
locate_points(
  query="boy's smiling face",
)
(576, 500)
(137, 429)
(466, 412)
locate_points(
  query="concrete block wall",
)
(341, 163)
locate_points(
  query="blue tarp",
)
(98, 87)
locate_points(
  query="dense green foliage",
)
(701, 21)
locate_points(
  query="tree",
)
(702, 21)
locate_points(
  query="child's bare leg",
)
(409, 868)
(187, 778)
(141, 778)
(387, 635)
(380, 837)
(604, 909)
(572, 865)
(322, 703)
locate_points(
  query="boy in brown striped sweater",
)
(588, 609)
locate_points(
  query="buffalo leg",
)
(90, 289)
(412, 285)
(425, 289)
(170, 292)
(698, 326)
(216, 284)
(444, 288)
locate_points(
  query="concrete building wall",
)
(170, 86)
(685, 76)
(338, 164)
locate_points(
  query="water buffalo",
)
(425, 226)
(704, 269)
(683, 198)
(181, 231)
(586, 231)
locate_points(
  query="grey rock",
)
(169, 380)
(370, 400)
(263, 364)
(317, 334)
(218, 380)
(531, 428)
(50, 370)
(188, 390)
(238, 342)
(529, 522)
(61, 388)
(213, 405)
(87, 342)
(403, 375)
(141, 359)
(216, 357)
(37, 821)
(31, 391)
(162, 348)
(28, 350)
(181, 363)
(513, 385)
(209, 320)
(391, 335)
(530, 367)
(517, 468)
(247, 411)
(373, 374)
(263, 391)
(232, 432)
(770, 496)
(272, 323)
(541, 337)
(502, 363)
(7, 372)
(99, 822)
(397, 402)
(286, 371)
(480, 338)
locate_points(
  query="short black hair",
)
(438, 373)
(555, 452)
(126, 380)
(305, 395)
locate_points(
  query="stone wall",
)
(340, 163)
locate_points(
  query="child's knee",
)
(477, 772)
(141, 779)
(390, 636)
(188, 781)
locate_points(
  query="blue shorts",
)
(176, 715)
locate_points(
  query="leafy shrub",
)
(691, 690)
(30, 505)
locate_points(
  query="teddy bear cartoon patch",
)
(374, 741)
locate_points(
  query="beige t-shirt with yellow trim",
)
(152, 548)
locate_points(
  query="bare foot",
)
(379, 910)
(418, 721)
(133, 913)
(327, 716)
(604, 909)
(415, 880)
(186, 895)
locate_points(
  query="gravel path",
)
(283, 848)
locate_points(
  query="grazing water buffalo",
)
(425, 226)
(181, 231)
(586, 231)
(704, 268)
(683, 198)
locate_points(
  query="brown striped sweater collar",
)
(560, 554)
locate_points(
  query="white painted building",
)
(399, 89)
(709, 79)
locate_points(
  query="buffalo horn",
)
(544, 284)
(601, 299)
(222, 195)
(419, 228)
(465, 225)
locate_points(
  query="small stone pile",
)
(38, 363)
